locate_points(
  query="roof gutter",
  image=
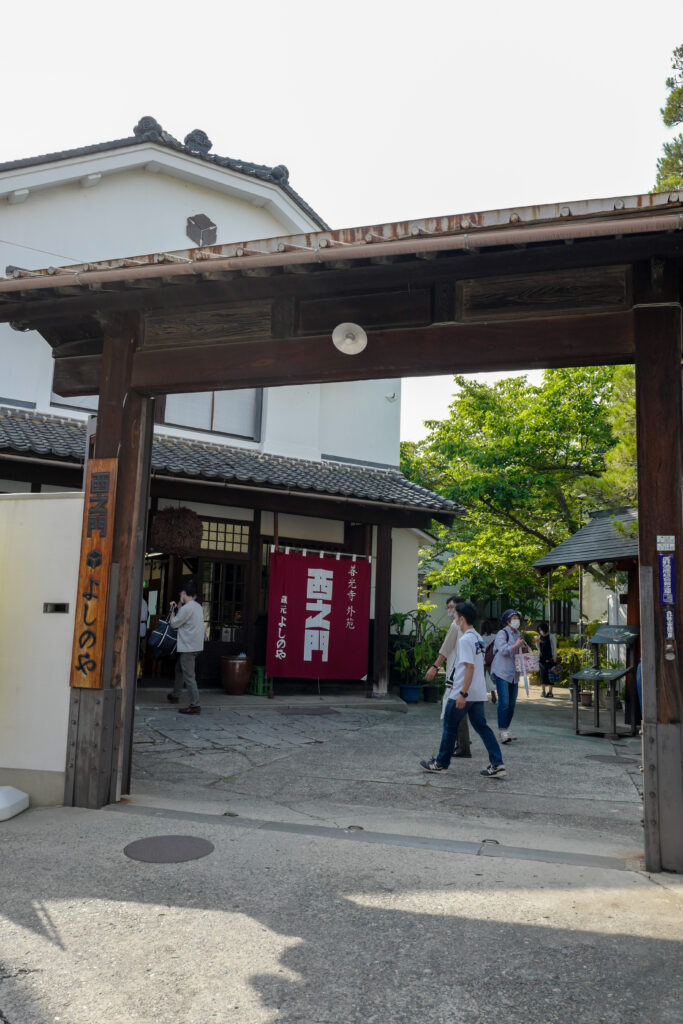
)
(326, 252)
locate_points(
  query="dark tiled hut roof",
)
(600, 540)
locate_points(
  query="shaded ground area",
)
(295, 917)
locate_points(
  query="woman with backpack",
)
(507, 644)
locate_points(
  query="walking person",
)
(448, 653)
(546, 660)
(508, 643)
(188, 619)
(467, 698)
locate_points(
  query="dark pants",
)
(474, 710)
(507, 698)
(184, 674)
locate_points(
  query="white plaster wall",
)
(39, 546)
(127, 214)
(290, 421)
(322, 531)
(135, 212)
(361, 420)
(595, 599)
(405, 545)
(243, 515)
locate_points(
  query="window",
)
(219, 535)
(235, 413)
(222, 596)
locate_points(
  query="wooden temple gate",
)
(591, 283)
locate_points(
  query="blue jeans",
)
(452, 719)
(507, 698)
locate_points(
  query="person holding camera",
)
(188, 620)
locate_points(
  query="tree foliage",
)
(521, 460)
(618, 485)
(670, 164)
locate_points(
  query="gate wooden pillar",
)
(658, 410)
(102, 720)
(382, 610)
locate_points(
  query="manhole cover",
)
(168, 849)
(611, 759)
(306, 711)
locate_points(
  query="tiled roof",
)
(34, 433)
(597, 541)
(196, 144)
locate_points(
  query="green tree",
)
(670, 164)
(618, 485)
(518, 457)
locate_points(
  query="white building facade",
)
(149, 193)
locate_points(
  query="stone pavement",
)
(345, 885)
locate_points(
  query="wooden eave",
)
(456, 289)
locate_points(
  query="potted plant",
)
(415, 641)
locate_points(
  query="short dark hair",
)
(455, 599)
(544, 627)
(189, 588)
(467, 611)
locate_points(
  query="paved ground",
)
(345, 885)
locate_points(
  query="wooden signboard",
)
(93, 574)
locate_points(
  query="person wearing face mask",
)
(467, 699)
(508, 643)
(448, 653)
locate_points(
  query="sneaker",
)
(190, 711)
(550, 694)
(494, 771)
(505, 737)
(171, 699)
(432, 766)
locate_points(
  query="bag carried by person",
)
(526, 662)
(164, 638)
(490, 652)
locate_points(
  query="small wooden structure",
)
(583, 283)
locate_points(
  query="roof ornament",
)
(198, 142)
(147, 126)
(280, 174)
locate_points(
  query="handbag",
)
(164, 638)
(526, 662)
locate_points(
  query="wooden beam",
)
(380, 659)
(659, 347)
(592, 340)
(325, 282)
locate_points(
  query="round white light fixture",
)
(349, 339)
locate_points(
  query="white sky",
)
(382, 110)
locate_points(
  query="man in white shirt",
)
(189, 621)
(448, 652)
(467, 697)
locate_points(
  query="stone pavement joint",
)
(485, 848)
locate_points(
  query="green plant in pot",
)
(415, 642)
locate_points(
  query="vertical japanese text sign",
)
(318, 617)
(93, 574)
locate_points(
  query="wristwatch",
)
(463, 693)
